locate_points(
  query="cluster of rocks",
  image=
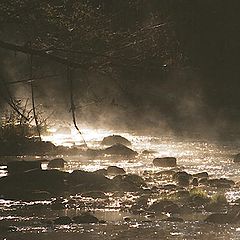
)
(183, 193)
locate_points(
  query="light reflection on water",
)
(192, 156)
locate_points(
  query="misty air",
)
(119, 119)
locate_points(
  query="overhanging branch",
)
(40, 53)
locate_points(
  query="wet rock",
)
(128, 183)
(114, 139)
(198, 197)
(93, 153)
(169, 187)
(164, 206)
(56, 163)
(102, 172)
(182, 178)
(57, 204)
(86, 181)
(147, 152)
(165, 162)
(222, 218)
(140, 204)
(200, 175)
(120, 150)
(94, 194)
(113, 170)
(236, 158)
(85, 218)
(22, 166)
(37, 196)
(63, 220)
(173, 219)
(195, 182)
(203, 181)
(21, 184)
(127, 219)
(220, 183)
(180, 194)
(218, 203)
(166, 173)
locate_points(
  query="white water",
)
(192, 155)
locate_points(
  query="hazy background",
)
(197, 94)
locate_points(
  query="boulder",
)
(22, 166)
(63, 220)
(194, 182)
(80, 181)
(236, 158)
(173, 219)
(94, 194)
(56, 163)
(220, 182)
(200, 175)
(19, 185)
(147, 152)
(114, 139)
(102, 172)
(165, 162)
(128, 183)
(113, 170)
(182, 178)
(221, 218)
(120, 150)
(164, 206)
(85, 218)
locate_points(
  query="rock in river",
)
(85, 218)
(120, 150)
(80, 180)
(222, 218)
(165, 162)
(114, 139)
(16, 186)
(63, 220)
(56, 163)
(114, 170)
(22, 166)
(236, 158)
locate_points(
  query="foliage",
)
(15, 128)
(86, 33)
(219, 199)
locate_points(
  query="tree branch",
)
(40, 53)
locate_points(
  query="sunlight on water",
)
(74, 138)
(192, 156)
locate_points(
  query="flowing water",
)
(28, 218)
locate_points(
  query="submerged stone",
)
(236, 158)
(128, 183)
(114, 170)
(173, 219)
(120, 150)
(222, 218)
(80, 181)
(56, 163)
(164, 206)
(114, 139)
(200, 175)
(19, 185)
(165, 162)
(182, 178)
(85, 218)
(22, 166)
(63, 220)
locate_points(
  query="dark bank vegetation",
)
(167, 60)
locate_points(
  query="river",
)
(192, 155)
